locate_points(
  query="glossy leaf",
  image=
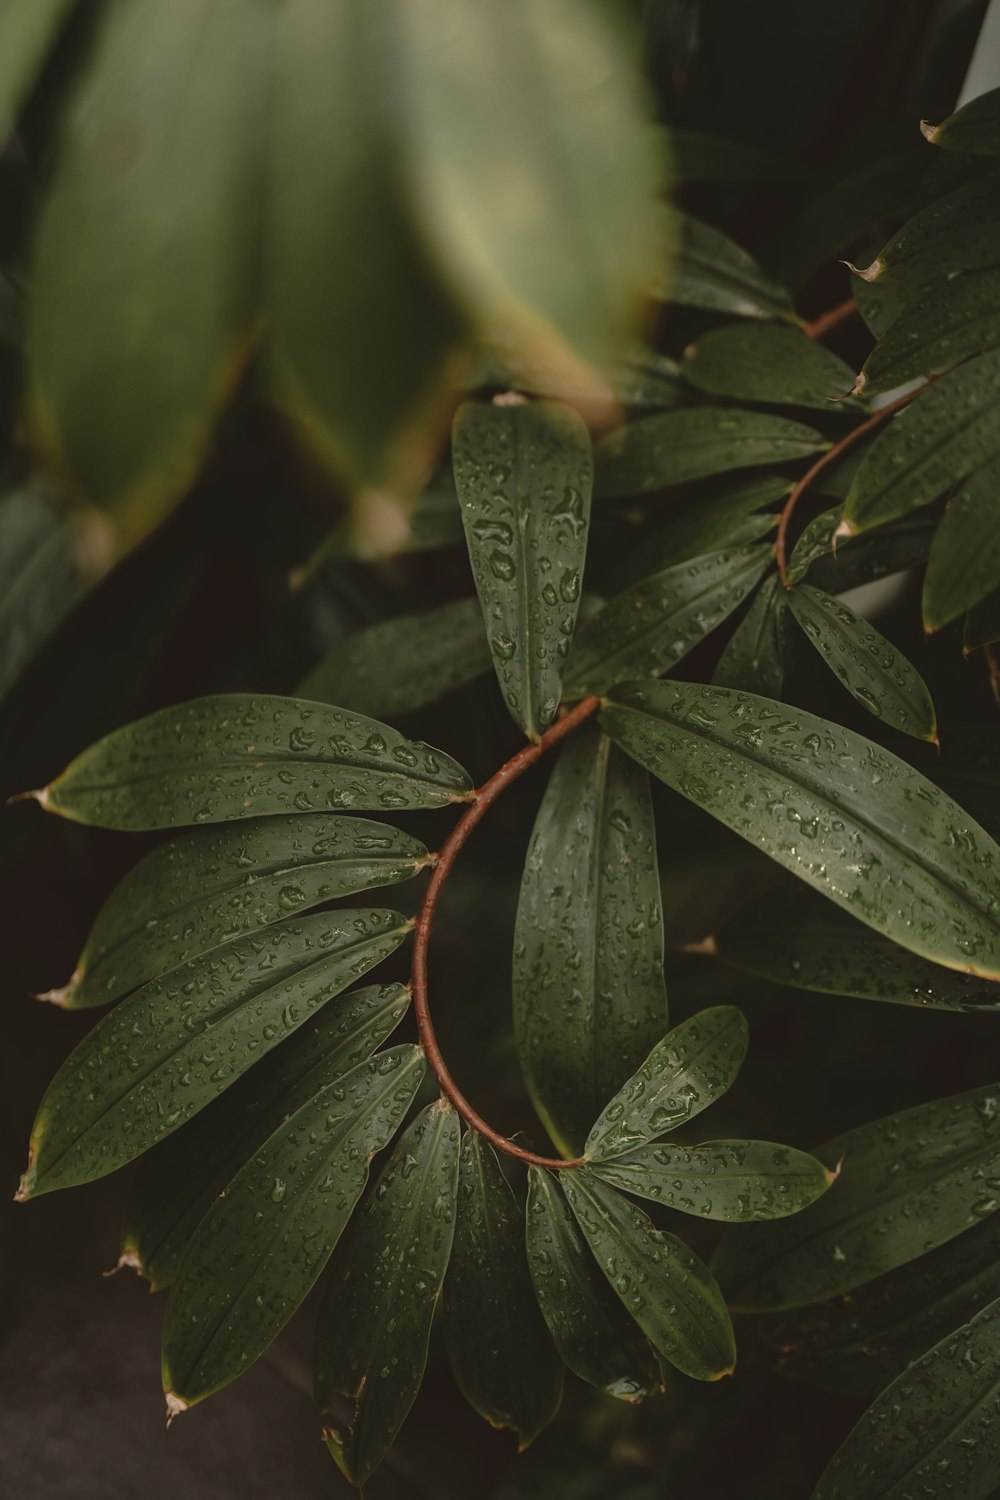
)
(404, 663)
(203, 889)
(589, 994)
(964, 564)
(754, 657)
(28, 33)
(767, 362)
(950, 235)
(524, 478)
(179, 1180)
(837, 563)
(242, 756)
(674, 447)
(738, 1181)
(593, 1333)
(844, 815)
(654, 624)
(169, 1049)
(375, 1323)
(726, 521)
(265, 1240)
(711, 271)
(688, 1070)
(872, 670)
(909, 1183)
(498, 1344)
(974, 128)
(937, 333)
(664, 1286)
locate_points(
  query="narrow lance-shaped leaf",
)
(936, 333)
(240, 756)
(653, 625)
(524, 479)
(205, 888)
(974, 128)
(169, 1049)
(724, 521)
(844, 815)
(908, 1183)
(837, 563)
(688, 1070)
(375, 1323)
(705, 268)
(754, 657)
(264, 1241)
(593, 1333)
(738, 1181)
(28, 33)
(663, 1285)
(964, 563)
(178, 1180)
(499, 1346)
(768, 363)
(589, 994)
(872, 670)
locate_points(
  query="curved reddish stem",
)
(480, 805)
(832, 318)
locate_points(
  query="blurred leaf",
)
(754, 657)
(964, 564)
(698, 156)
(710, 270)
(768, 363)
(933, 335)
(739, 1181)
(637, 377)
(723, 521)
(28, 34)
(674, 447)
(974, 128)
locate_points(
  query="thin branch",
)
(480, 805)
(831, 319)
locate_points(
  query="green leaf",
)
(404, 663)
(265, 1240)
(837, 563)
(136, 340)
(769, 363)
(795, 937)
(434, 521)
(739, 1181)
(698, 156)
(524, 477)
(909, 1183)
(710, 270)
(654, 624)
(169, 1049)
(948, 1402)
(179, 1180)
(844, 815)
(498, 1344)
(935, 334)
(28, 34)
(964, 565)
(688, 1070)
(949, 431)
(664, 1286)
(638, 376)
(754, 658)
(242, 756)
(674, 447)
(872, 670)
(375, 1323)
(724, 521)
(982, 623)
(589, 995)
(200, 890)
(974, 128)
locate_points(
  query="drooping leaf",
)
(841, 813)
(664, 1286)
(169, 1049)
(242, 756)
(374, 1326)
(673, 447)
(947, 1401)
(909, 1182)
(937, 333)
(754, 658)
(28, 33)
(524, 479)
(872, 670)
(736, 1181)
(837, 563)
(964, 564)
(710, 270)
(498, 1344)
(589, 995)
(202, 889)
(796, 937)
(726, 521)
(767, 362)
(654, 624)
(974, 128)
(593, 1333)
(688, 1070)
(404, 663)
(266, 1238)
(179, 1180)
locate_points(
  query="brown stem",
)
(831, 319)
(480, 805)
(823, 462)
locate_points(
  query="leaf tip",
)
(175, 1405)
(859, 384)
(706, 945)
(843, 532)
(867, 273)
(37, 794)
(929, 132)
(130, 1258)
(26, 1186)
(60, 997)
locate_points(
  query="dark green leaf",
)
(688, 1070)
(716, 522)
(838, 563)
(28, 33)
(974, 128)
(593, 1333)
(664, 1286)
(655, 623)
(738, 1181)
(964, 565)
(937, 333)
(710, 270)
(754, 658)
(264, 1241)
(841, 813)
(697, 156)
(374, 1326)
(524, 477)
(982, 623)
(169, 1049)
(589, 995)
(767, 362)
(242, 756)
(499, 1346)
